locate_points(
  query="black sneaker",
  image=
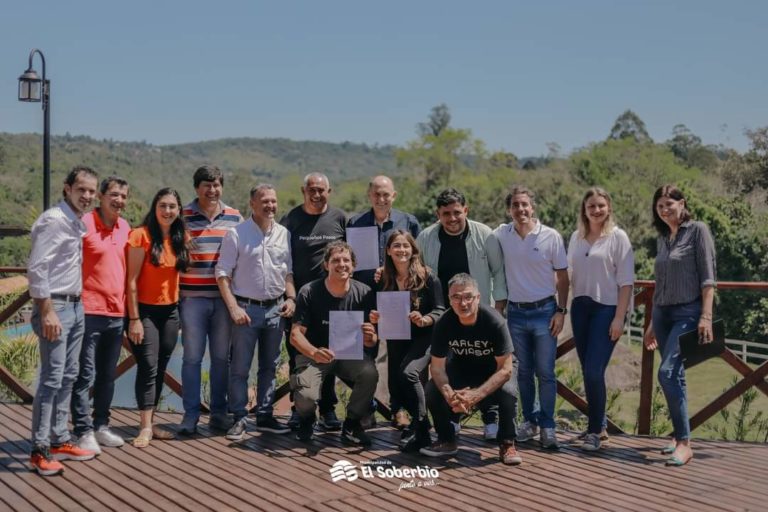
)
(419, 439)
(306, 430)
(353, 432)
(294, 421)
(270, 424)
(329, 421)
(220, 422)
(238, 430)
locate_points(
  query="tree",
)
(629, 125)
(439, 119)
(687, 147)
(440, 150)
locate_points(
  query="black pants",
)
(407, 363)
(505, 397)
(161, 332)
(98, 360)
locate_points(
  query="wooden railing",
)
(750, 378)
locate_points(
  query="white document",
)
(394, 308)
(365, 244)
(345, 334)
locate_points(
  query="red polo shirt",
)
(104, 266)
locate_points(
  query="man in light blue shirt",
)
(255, 276)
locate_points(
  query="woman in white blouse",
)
(602, 264)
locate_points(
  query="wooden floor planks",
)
(269, 472)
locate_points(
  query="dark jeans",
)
(328, 398)
(98, 360)
(407, 363)
(591, 322)
(161, 332)
(505, 397)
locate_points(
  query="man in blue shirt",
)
(382, 194)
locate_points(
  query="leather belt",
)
(256, 302)
(532, 305)
(65, 298)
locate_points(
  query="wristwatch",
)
(564, 311)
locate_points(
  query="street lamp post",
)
(32, 88)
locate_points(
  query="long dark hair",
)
(417, 272)
(178, 232)
(671, 192)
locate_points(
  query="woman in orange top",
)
(157, 252)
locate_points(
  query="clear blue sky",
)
(519, 74)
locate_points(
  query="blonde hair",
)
(609, 223)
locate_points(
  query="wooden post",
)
(646, 370)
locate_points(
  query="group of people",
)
(239, 286)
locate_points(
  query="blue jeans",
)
(669, 322)
(266, 331)
(59, 365)
(98, 360)
(591, 322)
(204, 319)
(535, 349)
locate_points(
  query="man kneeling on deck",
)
(480, 369)
(310, 335)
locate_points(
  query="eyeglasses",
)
(462, 298)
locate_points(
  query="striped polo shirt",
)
(206, 236)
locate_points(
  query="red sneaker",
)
(69, 451)
(508, 454)
(40, 460)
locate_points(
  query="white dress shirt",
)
(56, 259)
(255, 261)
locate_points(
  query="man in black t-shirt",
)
(479, 371)
(310, 337)
(313, 225)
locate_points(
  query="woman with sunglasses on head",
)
(603, 271)
(407, 360)
(682, 302)
(157, 252)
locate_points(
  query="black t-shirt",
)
(314, 302)
(473, 348)
(309, 236)
(453, 257)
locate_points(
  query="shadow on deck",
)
(272, 472)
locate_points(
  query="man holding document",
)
(479, 370)
(330, 328)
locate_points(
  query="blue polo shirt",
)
(397, 220)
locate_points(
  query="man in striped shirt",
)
(204, 316)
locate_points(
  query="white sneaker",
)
(527, 431)
(490, 431)
(88, 442)
(456, 426)
(106, 437)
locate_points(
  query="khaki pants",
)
(308, 377)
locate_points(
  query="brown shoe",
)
(508, 454)
(401, 420)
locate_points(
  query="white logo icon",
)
(343, 470)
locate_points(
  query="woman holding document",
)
(408, 359)
(682, 302)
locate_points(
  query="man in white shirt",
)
(55, 274)
(255, 276)
(536, 269)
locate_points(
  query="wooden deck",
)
(271, 472)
